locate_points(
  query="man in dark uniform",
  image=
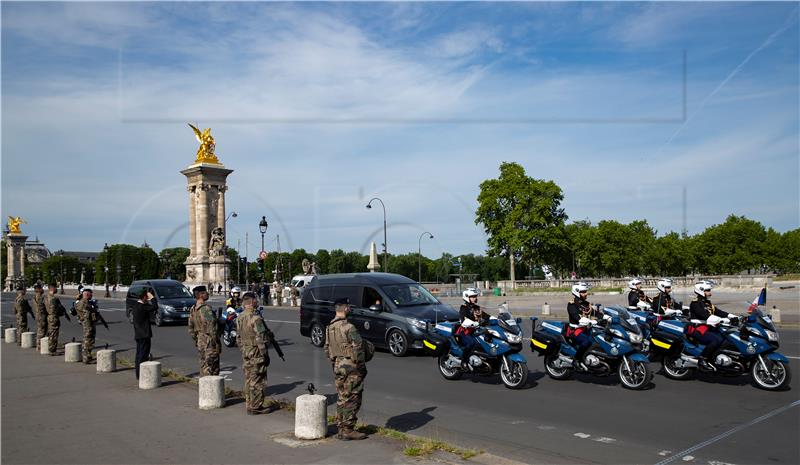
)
(707, 334)
(582, 315)
(663, 301)
(344, 348)
(205, 331)
(471, 317)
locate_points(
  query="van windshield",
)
(172, 292)
(408, 295)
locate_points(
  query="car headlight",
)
(419, 324)
(168, 308)
(772, 335)
(513, 338)
(635, 338)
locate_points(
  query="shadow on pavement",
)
(411, 420)
(277, 389)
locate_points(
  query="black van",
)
(388, 309)
(173, 298)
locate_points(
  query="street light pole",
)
(105, 268)
(419, 254)
(385, 245)
(262, 226)
(61, 265)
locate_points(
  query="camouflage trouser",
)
(350, 386)
(41, 329)
(209, 357)
(255, 381)
(22, 326)
(53, 326)
(89, 332)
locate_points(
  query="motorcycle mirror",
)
(518, 320)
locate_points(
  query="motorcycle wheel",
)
(516, 376)
(228, 340)
(555, 372)
(448, 373)
(778, 378)
(673, 372)
(638, 378)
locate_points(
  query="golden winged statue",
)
(205, 153)
(13, 224)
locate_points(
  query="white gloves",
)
(672, 312)
(586, 322)
(467, 323)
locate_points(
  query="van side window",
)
(350, 292)
(371, 297)
(134, 292)
(319, 295)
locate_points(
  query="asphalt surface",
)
(584, 420)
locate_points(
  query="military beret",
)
(199, 289)
(250, 295)
(87, 289)
(37, 286)
(342, 301)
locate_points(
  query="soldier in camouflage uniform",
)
(54, 312)
(40, 309)
(344, 348)
(253, 338)
(205, 331)
(21, 308)
(86, 309)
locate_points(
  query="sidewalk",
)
(57, 412)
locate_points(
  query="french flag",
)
(761, 299)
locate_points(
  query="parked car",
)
(173, 298)
(389, 310)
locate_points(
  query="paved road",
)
(577, 421)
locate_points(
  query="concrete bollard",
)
(310, 417)
(546, 309)
(106, 361)
(211, 392)
(44, 346)
(29, 340)
(776, 314)
(149, 375)
(10, 335)
(72, 352)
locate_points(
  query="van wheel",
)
(398, 343)
(159, 319)
(317, 335)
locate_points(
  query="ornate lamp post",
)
(105, 268)
(61, 264)
(419, 254)
(385, 246)
(262, 226)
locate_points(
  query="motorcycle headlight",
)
(618, 333)
(494, 333)
(513, 338)
(635, 338)
(419, 324)
(772, 335)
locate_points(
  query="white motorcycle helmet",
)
(701, 288)
(469, 292)
(237, 291)
(663, 284)
(578, 288)
(633, 283)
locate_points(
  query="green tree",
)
(522, 216)
(172, 262)
(734, 246)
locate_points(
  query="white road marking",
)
(582, 435)
(224, 374)
(665, 453)
(717, 462)
(729, 432)
(546, 428)
(518, 422)
(605, 440)
(282, 321)
(793, 356)
(687, 458)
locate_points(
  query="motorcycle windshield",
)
(507, 321)
(627, 321)
(763, 319)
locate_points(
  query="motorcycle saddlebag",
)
(544, 343)
(435, 344)
(664, 343)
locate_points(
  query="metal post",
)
(105, 268)
(385, 244)
(419, 254)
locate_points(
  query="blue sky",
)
(320, 106)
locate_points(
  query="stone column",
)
(192, 220)
(221, 210)
(16, 259)
(202, 214)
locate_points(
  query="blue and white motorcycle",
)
(751, 346)
(498, 351)
(615, 349)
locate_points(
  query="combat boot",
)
(347, 434)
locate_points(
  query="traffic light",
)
(260, 265)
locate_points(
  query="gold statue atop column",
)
(205, 153)
(13, 224)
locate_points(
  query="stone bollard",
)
(776, 314)
(106, 361)
(546, 309)
(310, 417)
(29, 340)
(211, 392)
(11, 335)
(149, 375)
(72, 352)
(44, 346)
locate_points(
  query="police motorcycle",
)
(750, 344)
(228, 322)
(498, 350)
(616, 348)
(648, 322)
